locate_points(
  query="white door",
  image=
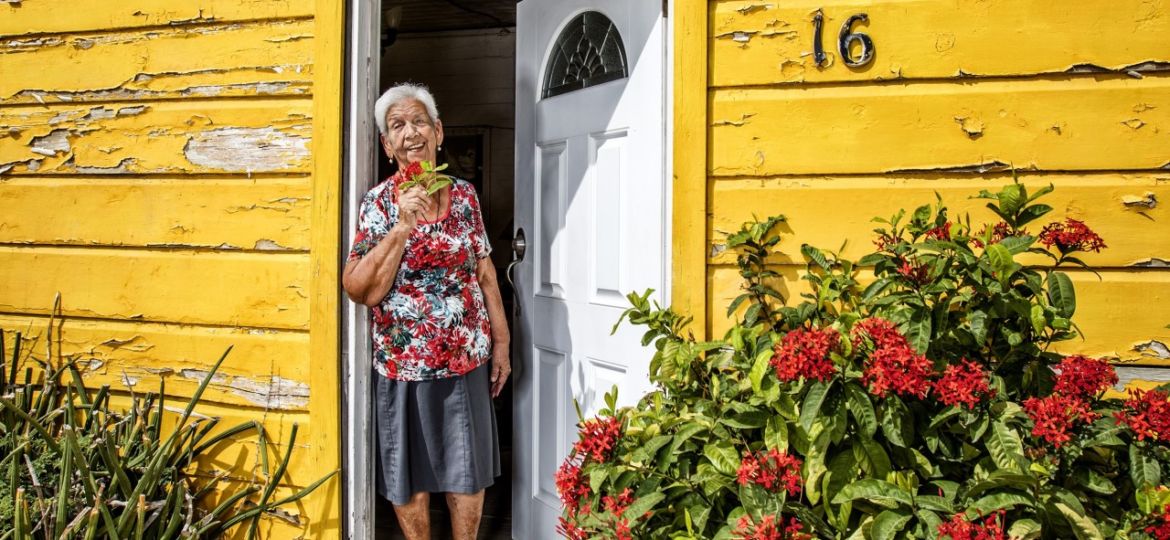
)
(591, 200)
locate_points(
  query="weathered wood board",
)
(761, 42)
(828, 212)
(262, 58)
(1076, 124)
(162, 137)
(259, 290)
(170, 212)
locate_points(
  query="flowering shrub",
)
(913, 393)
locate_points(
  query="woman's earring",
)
(391, 159)
(440, 148)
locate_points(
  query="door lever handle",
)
(519, 248)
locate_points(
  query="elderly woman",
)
(420, 262)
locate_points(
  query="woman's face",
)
(411, 135)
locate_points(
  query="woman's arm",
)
(485, 273)
(367, 280)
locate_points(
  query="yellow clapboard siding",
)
(212, 136)
(239, 455)
(53, 16)
(177, 212)
(233, 289)
(829, 212)
(266, 368)
(258, 58)
(1120, 314)
(754, 42)
(1078, 124)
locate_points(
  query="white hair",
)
(399, 92)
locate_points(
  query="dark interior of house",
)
(464, 51)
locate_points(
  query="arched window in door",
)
(588, 52)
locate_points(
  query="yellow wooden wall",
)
(959, 92)
(172, 170)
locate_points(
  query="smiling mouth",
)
(415, 148)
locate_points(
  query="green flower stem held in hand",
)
(425, 174)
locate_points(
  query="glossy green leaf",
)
(888, 524)
(1061, 294)
(875, 491)
(723, 457)
(1082, 525)
(1005, 447)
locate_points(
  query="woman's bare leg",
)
(414, 517)
(466, 511)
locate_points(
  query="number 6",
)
(848, 37)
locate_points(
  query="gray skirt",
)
(437, 436)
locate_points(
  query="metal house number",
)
(845, 41)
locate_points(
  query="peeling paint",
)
(265, 244)
(973, 127)
(1149, 201)
(1152, 262)
(129, 381)
(990, 166)
(246, 149)
(743, 119)
(1153, 348)
(274, 393)
(56, 142)
(135, 344)
(717, 249)
(1129, 374)
(752, 8)
(123, 167)
(1134, 123)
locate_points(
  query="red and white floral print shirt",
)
(433, 323)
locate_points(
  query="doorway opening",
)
(465, 52)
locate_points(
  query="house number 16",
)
(845, 41)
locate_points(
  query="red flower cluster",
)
(942, 232)
(915, 273)
(769, 528)
(963, 383)
(1055, 415)
(1081, 376)
(999, 231)
(598, 438)
(958, 528)
(1147, 413)
(1072, 235)
(805, 353)
(412, 170)
(1160, 529)
(572, 485)
(884, 242)
(894, 366)
(773, 470)
(617, 505)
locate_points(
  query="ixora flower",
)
(999, 231)
(1081, 376)
(942, 232)
(617, 506)
(769, 527)
(1160, 528)
(805, 353)
(773, 470)
(572, 486)
(1054, 417)
(1147, 413)
(425, 174)
(1070, 236)
(963, 383)
(958, 528)
(598, 438)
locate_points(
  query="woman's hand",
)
(413, 203)
(501, 368)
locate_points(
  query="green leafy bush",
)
(71, 466)
(913, 393)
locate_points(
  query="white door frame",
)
(362, 63)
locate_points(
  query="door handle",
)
(519, 247)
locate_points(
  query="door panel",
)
(590, 191)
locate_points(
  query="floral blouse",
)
(433, 323)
